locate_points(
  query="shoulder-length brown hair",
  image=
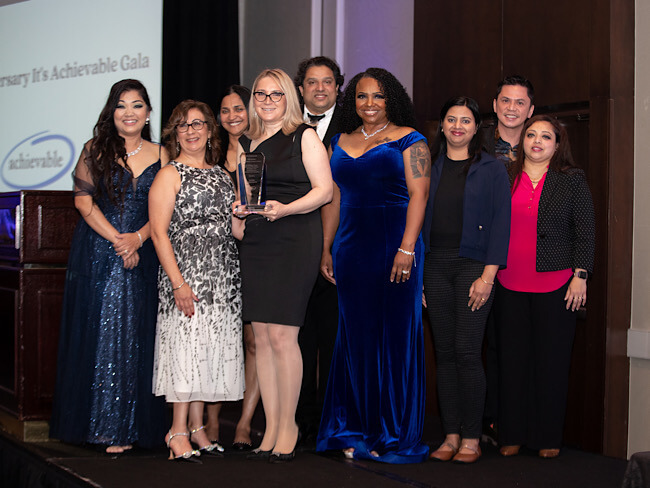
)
(562, 159)
(292, 117)
(178, 116)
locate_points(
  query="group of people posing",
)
(176, 292)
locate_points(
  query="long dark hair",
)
(399, 107)
(107, 146)
(439, 145)
(178, 116)
(245, 95)
(562, 159)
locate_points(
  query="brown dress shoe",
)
(509, 450)
(463, 458)
(549, 453)
(444, 454)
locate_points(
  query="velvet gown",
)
(376, 390)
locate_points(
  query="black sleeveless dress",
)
(280, 259)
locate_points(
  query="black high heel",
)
(279, 458)
(259, 455)
(213, 449)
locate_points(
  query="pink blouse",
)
(520, 274)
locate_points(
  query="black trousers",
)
(316, 340)
(458, 336)
(535, 336)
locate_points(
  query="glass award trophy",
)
(251, 175)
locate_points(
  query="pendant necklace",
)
(368, 136)
(135, 151)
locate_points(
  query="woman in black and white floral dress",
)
(198, 352)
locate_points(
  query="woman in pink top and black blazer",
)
(550, 256)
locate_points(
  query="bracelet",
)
(486, 282)
(408, 253)
(178, 287)
(139, 237)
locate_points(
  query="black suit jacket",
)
(333, 128)
(565, 223)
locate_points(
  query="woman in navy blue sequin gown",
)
(374, 405)
(105, 361)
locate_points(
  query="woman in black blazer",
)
(550, 256)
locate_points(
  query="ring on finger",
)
(482, 299)
(405, 272)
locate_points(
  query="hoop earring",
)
(209, 145)
(178, 147)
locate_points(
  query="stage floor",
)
(54, 464)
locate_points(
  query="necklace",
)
(368, 136)
(135, 151)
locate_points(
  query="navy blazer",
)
(565, 223)
(486, 210)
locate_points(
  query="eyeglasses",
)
(274, 96)
(196, 124)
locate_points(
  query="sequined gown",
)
(201, 358)
(105, 360)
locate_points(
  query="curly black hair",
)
(399, 107)
(107, 146)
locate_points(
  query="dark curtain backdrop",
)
(200, 51)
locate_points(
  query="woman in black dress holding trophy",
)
(280, 250)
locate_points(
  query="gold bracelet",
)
(178, 287)
(139, 237)
(486, 282)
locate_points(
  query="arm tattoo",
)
(420, 160)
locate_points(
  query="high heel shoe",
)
(213, 449)
(279, 458)
(187, 456)
(259, 455)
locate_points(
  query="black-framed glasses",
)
(196, 124)
(260, 96)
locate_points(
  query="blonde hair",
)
(293, 115)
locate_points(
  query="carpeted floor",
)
(59, 465)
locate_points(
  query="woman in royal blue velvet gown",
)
(108, 325)
(374, 405)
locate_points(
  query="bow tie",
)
(315, 118)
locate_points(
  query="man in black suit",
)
(319, 83)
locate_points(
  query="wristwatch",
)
(581, 274)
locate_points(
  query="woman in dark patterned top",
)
(550, 256)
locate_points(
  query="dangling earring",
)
(146, 122)
(209, 146)
(178, 147)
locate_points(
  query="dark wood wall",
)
(579, 54)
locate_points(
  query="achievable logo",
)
(37, 161)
